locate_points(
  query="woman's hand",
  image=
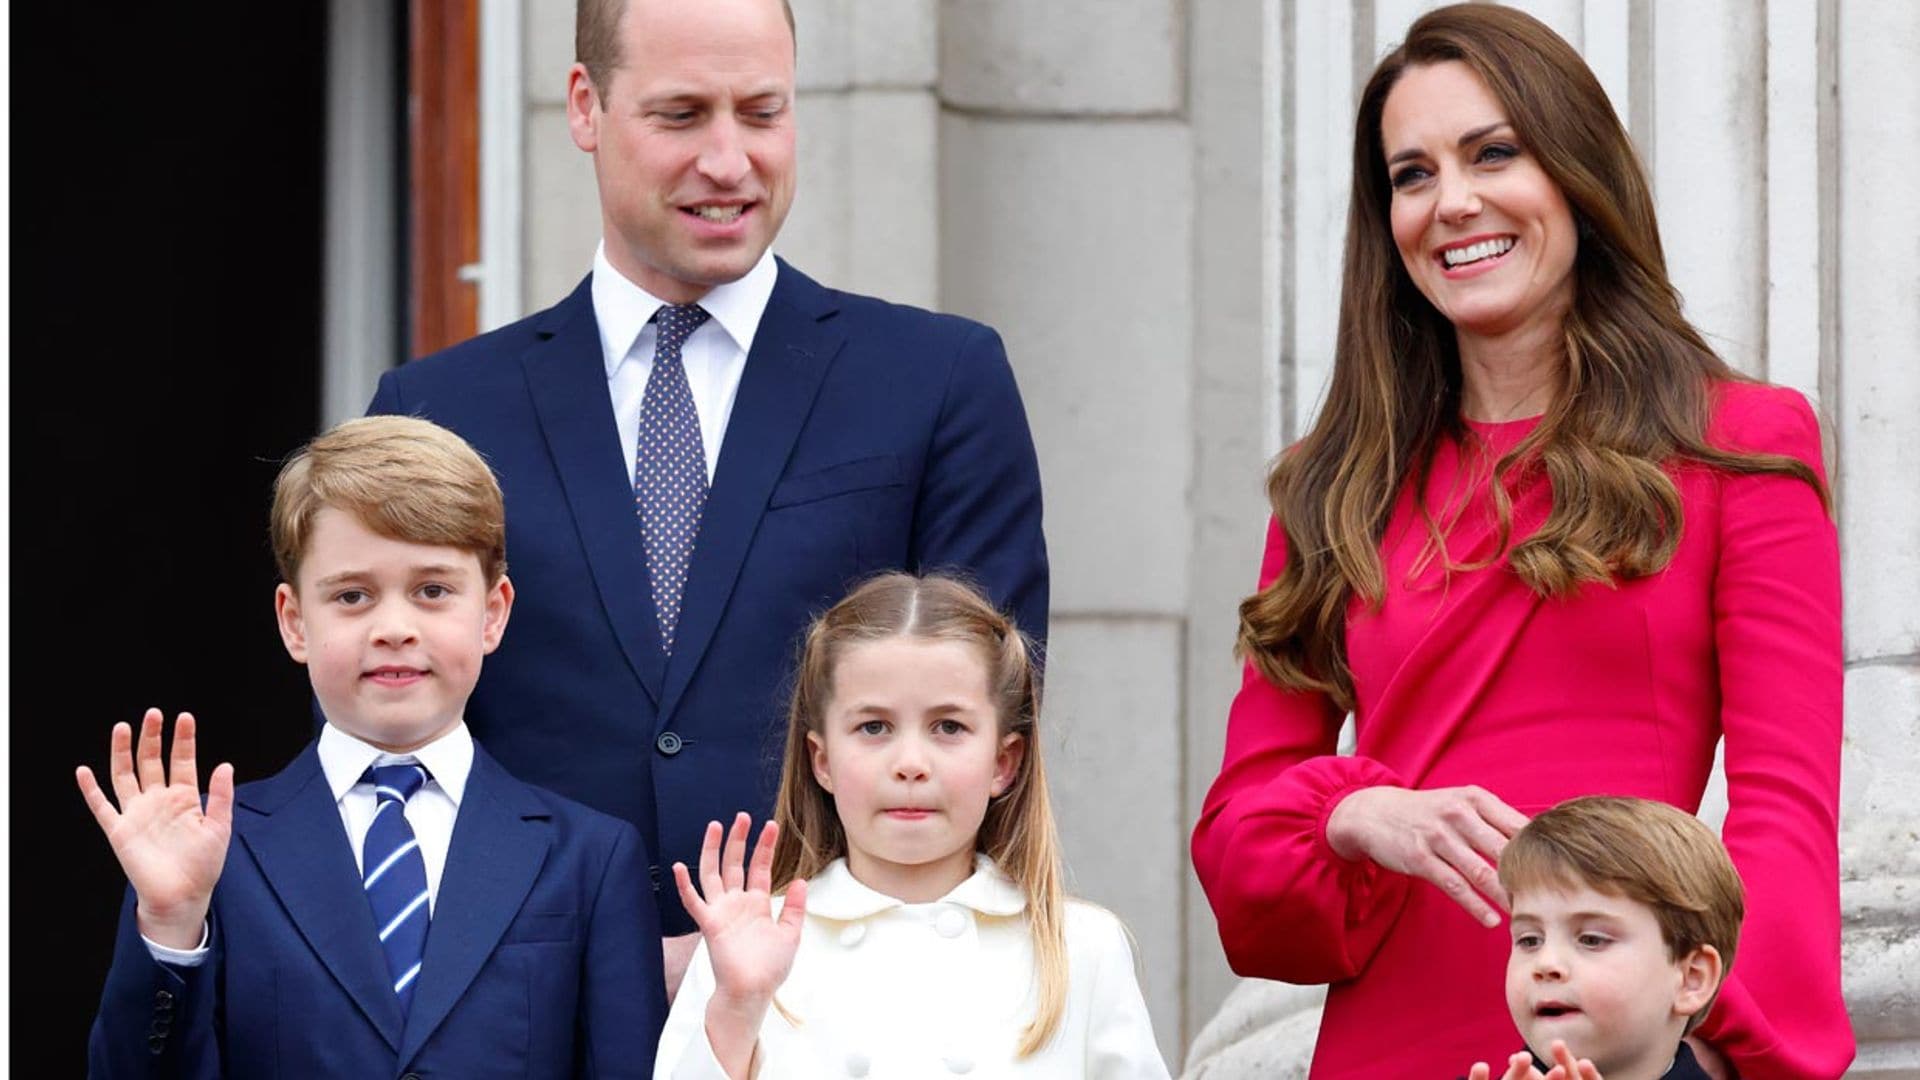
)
(171, 849)
(751, 951)
(1451, 837)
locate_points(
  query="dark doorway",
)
(166, 211)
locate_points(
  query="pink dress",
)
(1620, 691)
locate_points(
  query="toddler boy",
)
(395, 903)
(1625, 914)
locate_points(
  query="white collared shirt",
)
(448, 759)
(431, 811)
(888, 990)
(714, 356)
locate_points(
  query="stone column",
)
(1067, 217)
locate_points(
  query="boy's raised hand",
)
(170, 849)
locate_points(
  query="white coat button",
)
(852, 936)
(950, 923)
(858, 1064)
(959, 1063)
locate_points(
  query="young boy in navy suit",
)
(1625, 915)
(395, 903)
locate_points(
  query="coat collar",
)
(836, 894)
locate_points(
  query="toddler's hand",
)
(1566, 1068)
(170, 850)
(1519, 1067)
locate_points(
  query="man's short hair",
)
(596, 38)
(1644, 850)
(404, 478)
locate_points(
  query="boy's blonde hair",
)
(1644, 850)
(1018, 832)
(404, 478)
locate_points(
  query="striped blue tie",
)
(396, 876)
(670, 472)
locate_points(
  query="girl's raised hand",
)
(170, 849)
(751, 951)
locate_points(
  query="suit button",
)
(950, 923)
(411, 1076)
(959, 1063)
(858, 1064)
(668, 743)
(159, 1028)
(852, 935)
(156, 1044)
(164, 997)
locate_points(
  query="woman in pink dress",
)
(1541, 542)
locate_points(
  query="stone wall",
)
(1146, 197)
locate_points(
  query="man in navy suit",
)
(395, 901)
(701, 447)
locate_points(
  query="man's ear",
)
(499, 606)
(1006, 763)
(1700, 972)
(584, 109)
(293, 629)
(817, 750)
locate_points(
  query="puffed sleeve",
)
(1289, 908)
(685, 1053)
(1120, 1044)
(1777, 635)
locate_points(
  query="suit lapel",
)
(500, 841)
(792, 350)
(302, 851)
(567, 379)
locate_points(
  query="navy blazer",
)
(542, 960)
(865, 436)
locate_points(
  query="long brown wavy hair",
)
(1018, 832)
(1636, 391)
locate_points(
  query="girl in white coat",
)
(923, 931)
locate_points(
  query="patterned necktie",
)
(670, 474)
(395, 876)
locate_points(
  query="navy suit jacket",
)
(865, 436)
(543, 957)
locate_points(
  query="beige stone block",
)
(895, 43)
(1076, 241)
(1879, 328)
(893, 212)
(562, 209)
(815, 235)
(1112, 723)
(821, 31)
(1104, 57)
(548, 26)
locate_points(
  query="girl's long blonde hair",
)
(1018, 832)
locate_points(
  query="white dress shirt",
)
(888, 990)
(714, 356)
(431, 811)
